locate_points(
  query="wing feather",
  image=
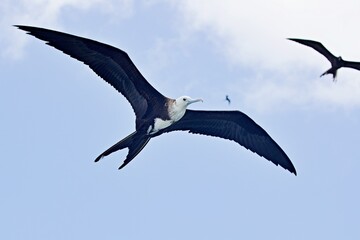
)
(110, 63)
(350, 64)
(316, 46)
(235, 126)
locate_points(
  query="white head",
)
(184, 101)
(178, 108)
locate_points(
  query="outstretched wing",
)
(317, 46)
(349, 64)
(236, 126)
(110, 63)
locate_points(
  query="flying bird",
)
(336, 62)
(227, 99)
(156, 114)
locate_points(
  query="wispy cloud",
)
(267, 95)
(250, 34)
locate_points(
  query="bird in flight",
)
(336, 62)
(156, 114)
(227, 99)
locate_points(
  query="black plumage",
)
(336, 62)
(155, 113)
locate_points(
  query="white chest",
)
(175, 114)
(161, 124)
(158, 125)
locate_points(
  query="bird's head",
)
(185, 101)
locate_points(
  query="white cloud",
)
(253, 34)
(265, 95)
(343, 93)
(259, 28)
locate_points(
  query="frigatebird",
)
(155, 113)
(336, 62)
(227, 99)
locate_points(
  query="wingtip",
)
(288, 166)
(292, 169)
(98, 158)
(293, 39)
(22, 27)
(122, 166)
(27, 29)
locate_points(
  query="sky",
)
(57, 116)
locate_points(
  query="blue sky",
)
(58, 116)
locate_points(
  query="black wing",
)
(236, 126)
(110, 63)
(317, 46)
(349, 64)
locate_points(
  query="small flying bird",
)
(227, 99)
(155, 113)
(336, 62)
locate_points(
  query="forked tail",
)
(135, 142)
(331, 71)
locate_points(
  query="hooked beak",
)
(195, 100)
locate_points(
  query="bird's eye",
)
(184, 99)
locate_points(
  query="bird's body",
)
(175, 110)
(336, 62)
(155, 113)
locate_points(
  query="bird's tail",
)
(330, 71)
(135, 142)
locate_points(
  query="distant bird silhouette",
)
(336, 62)
(156, 114)
(228, 99)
